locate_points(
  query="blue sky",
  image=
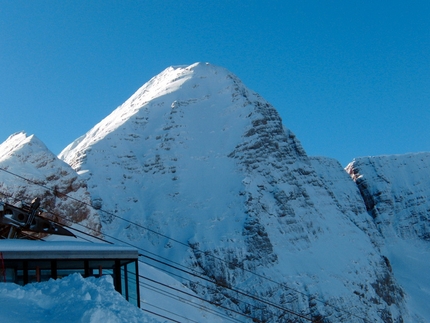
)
(349, 78)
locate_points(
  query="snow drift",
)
(71, 299)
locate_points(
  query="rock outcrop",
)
(396, 193)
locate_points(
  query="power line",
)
(183, 300)
(187, 270)
(159, 315)
(195, 296)
(72, 228)
(186, 245)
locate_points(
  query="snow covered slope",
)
(42, 174)
(199, 170)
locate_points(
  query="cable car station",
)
(24, 261)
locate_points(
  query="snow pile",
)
(71, 299)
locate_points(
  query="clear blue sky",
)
(349, 78)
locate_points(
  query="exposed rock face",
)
(201, 159)
(42, 174)
(396, 192)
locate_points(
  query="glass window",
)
(132, 283)
(39, 271)
(10, 275)
(129, 282)
(101, 267)
(124, 273)
(68, 267)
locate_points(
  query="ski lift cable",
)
(238, 291)
(195, 275)
(191, 281)
(165, 310)
(183, 300)
(187, 271)
(160, 315)
(181, 243)
(192, 295)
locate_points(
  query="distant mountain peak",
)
(209, 92)
(21, 150)
(18, 141)
(34, 171)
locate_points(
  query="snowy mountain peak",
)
(19, 141)
(199, 170)
(42, 174)
(172, 88)
(197, 156)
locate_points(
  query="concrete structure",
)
(27, 261)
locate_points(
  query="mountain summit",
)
(206, 162)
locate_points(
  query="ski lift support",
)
(15, 220)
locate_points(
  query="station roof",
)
(30, 249)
